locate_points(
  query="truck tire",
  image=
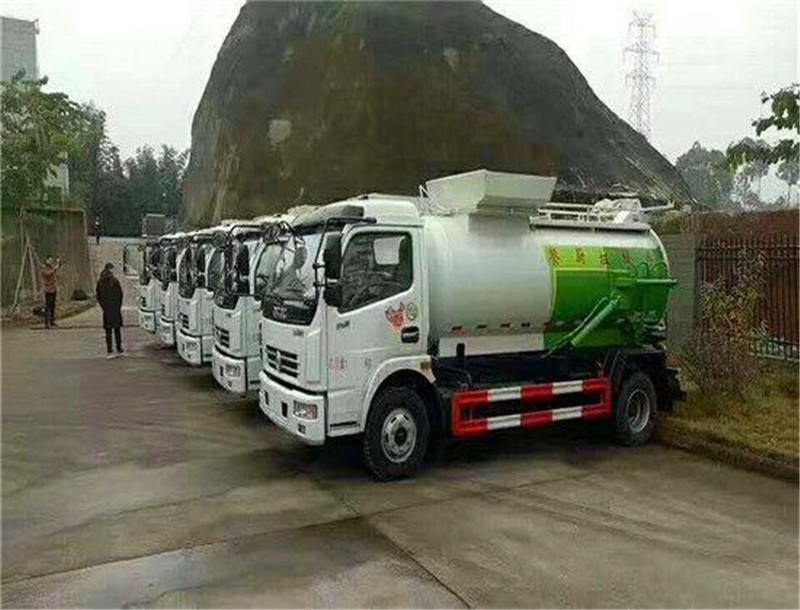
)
(635, 410)
(397, 433)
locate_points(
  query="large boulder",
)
(313, 102)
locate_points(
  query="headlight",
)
(232, 370)
(304, 410)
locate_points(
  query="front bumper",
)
(166, 331)
(190, 349)
(148, 320)
(277, 403)
(230, 373)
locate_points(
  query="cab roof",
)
(385, 209)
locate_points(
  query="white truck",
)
(149, 284)
(199, 274)
(152, 279)
(172, 249)
(481, 306)
(236, 358)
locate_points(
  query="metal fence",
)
(723, 260)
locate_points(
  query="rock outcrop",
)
(312, 102)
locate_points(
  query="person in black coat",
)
(109, 296)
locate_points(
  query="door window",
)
(375, 266)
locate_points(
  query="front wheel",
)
(635, 410)
(397, 434)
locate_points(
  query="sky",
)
(146, 63)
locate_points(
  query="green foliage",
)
(84, 166)
(784, 116)
(789, 172)
(42, 130)
(39, 132)
(719, 356)
(707, 174)
(119, 192)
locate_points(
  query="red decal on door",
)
(396, 317)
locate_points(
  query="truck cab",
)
(319, 360)
(408, 320)
(236, 357)
(172, 250)
(199, 274)
(149, 285)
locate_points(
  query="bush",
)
(79, 295)
(720, 354)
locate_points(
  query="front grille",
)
(282, 361)
(223, 336)
(184, 321)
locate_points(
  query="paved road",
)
(137, 482)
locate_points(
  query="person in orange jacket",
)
(50, 278)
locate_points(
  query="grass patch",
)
(764, 421)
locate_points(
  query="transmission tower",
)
(640, 79)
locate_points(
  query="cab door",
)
(378, 317)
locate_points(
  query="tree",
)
(171, 169)
(39, 132)
(42, 130)
(111, 202)
(706, 173)
(743, 194)
(789, 172)
(85, 166)
(784, 115)
(754, 170)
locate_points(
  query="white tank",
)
(494, 274)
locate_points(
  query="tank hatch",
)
(483, 189)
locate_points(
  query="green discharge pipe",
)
(585, 329)
(606, 306)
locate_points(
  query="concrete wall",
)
(60, 232)
(680, 315)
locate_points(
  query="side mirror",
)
(333, 295)
(332, 258)
(272, 233)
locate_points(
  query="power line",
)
(640, 79)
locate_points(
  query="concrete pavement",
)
(138, 482)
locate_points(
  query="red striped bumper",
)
(596, 391)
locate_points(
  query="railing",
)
(723, 260)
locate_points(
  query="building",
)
(19, 48)
(19, 54)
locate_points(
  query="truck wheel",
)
(397, 433)
(635, 410)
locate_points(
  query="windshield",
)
(144, 276)
(185, 276)
(235, 281)
(167, 266)
(152, 264)
(265, 269)
(290, 293)
(215, 271)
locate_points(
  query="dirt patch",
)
(63, 311)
